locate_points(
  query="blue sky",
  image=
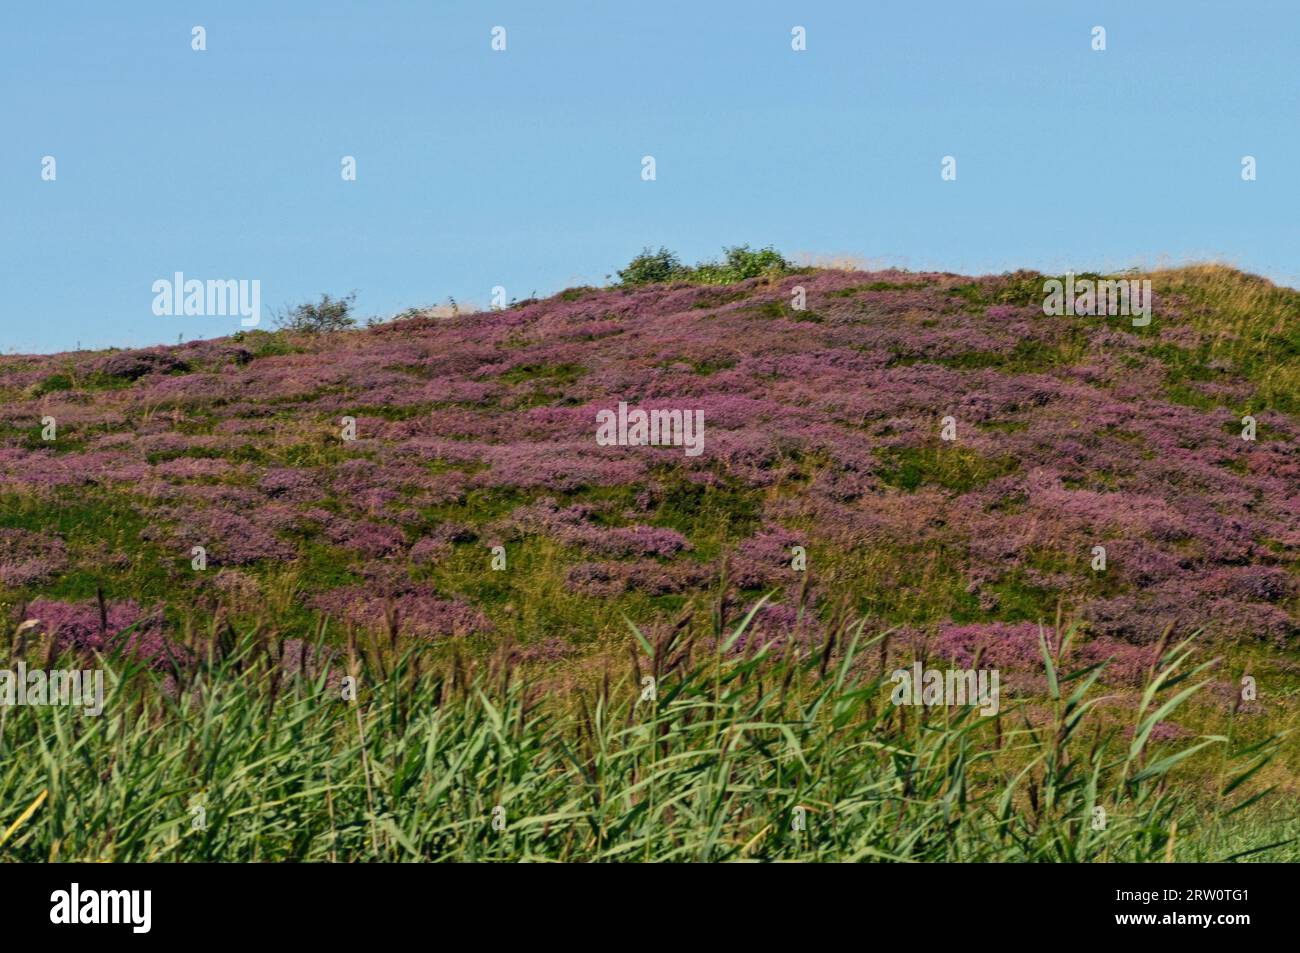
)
(522, 168)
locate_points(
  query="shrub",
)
(132, 365)
(330, 314)
(740, 262)
(651, 267)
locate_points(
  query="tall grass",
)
(696, 751)
(1247, 321)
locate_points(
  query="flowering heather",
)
(80, 626)
(648, 576)
(27, 558)
(130, 365)
(285, 483)
(775, 626)
(765, 559)
(569, 526)
(231, 539)
(1017, 648)
(418, 611)
(823, 430)
(306, 659)
(372, 539)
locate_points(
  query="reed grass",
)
(768, 754)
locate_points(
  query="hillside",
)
(476, 529)
(822, 430)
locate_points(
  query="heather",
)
(822, 431)
(824, 436)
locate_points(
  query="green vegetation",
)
(537, 709)
(266, 755)
(329, 314)
(652, 267)
(1246, 323)
(739, 264)
(951, 468)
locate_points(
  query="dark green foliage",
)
(329, 314)
(739, 263)
(652, 267)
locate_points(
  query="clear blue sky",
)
(523, 169)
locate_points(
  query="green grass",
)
(769, 755)
(950, 467)
(92, 524)
(876, 286)
(1246, 323)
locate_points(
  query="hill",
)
(821, 429)
(456, 513)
